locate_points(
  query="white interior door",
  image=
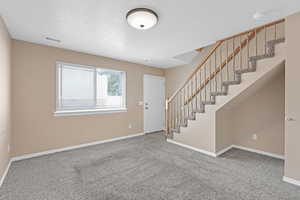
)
(154, 103)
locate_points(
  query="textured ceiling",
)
(99, 27)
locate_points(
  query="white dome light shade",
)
(142, 18)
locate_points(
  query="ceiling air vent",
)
(52, 39)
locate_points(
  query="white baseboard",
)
(224, 150)
(33, 155)
(5, 173)
(259, 152)
(291, 181)
(28, 156)
(159, 130)
(192, 148)
(227, 149)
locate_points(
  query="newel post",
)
(167, 118)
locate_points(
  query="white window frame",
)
(86, 110)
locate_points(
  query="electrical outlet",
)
(129, 126)
(254, 137)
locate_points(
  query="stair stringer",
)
(201, 133)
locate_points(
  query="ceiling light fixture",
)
(142, 18)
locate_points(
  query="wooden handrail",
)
(200, 49)
(218, 43)
(193, 90)
(254, 29)
(228, 59)
(195, 70)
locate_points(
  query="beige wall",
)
(175, 77)
(292, 98)
(5, 68)
(224, 128)
(261, 113)
(199, 133)
(35, 129)
(195, 134)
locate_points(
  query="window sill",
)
(88, 112)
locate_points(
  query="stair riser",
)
(225, 85)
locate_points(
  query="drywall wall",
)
(36, 129)
(261, 113)
(292, 98)
(195, 134)
(199, 133)
(224, 128)
(5, 115)
(176, 76)
(213, 131)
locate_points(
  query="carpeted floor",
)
(147, 168)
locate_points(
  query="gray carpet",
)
(147, 168)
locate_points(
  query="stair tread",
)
(208, 102)
(270, 45)
(259, 57)
(246, 70)
(235, 82)
(218, 93)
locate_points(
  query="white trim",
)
(90, 109)
(5, 173)
(291, 181)
(33, 155)
(259, 152)
(192, 148)
(74, 65)
(224, 150)
(88, 112)
(155, 131)
(156, 77)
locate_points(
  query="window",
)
(85, 89)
